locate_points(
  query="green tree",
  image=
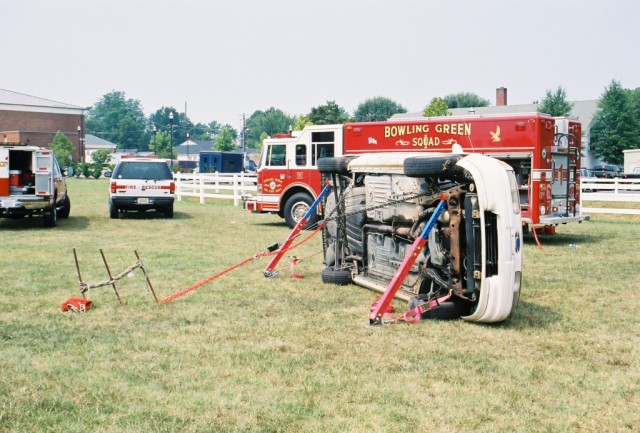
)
(301, 122)
(437, 107)
(328, 114)
(160, 145)
(161, 120)
(224, 141)
(614, 127)
(231, 130)
(63, 149)
(119, 120)
(263, 137)
(271, 121)
(555, 103)
(101, 157)
(465, 99)
(376, 109)
(634, 98)
(200, 131)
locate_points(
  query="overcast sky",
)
(228, 57)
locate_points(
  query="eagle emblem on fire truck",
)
(495, 136)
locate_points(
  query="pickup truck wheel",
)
(441, 166)
(168, 211)
(331, 275)
(113, 211)
(296, 207)
(51, 218)
(66, 208)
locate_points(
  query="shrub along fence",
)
(215, 186)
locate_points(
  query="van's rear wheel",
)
(337, 164)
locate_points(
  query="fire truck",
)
(543, 151)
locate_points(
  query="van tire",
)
(439, 166)
(338, 164)
(340, 277)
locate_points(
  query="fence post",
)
(176, 178)
(235, 189)
(201, 189)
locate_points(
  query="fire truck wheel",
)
(50, 218)
(440, 166)
(339, 164)
(340, 277)
(296, 207)
(66, 208)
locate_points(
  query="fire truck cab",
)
(288, 179)
(543, 151)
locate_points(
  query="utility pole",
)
(244, 150)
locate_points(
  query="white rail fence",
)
(215, 186)
(613, 190)
(234, 185)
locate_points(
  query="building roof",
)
(94, 142)
(15, 101)
(193, 147)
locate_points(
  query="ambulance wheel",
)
(439, 166)
(338, 164)
(340, 277)
(66, 208)
(296, 207)
(113, 211)
(51, 218)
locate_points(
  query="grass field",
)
(245, 354)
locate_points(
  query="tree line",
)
(116, 118)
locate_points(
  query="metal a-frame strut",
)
(84, 287)
(269, 270)
(382, 306)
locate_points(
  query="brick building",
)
(33, 120)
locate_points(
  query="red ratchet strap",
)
(410, 316)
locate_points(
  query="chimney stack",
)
(501, 96)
